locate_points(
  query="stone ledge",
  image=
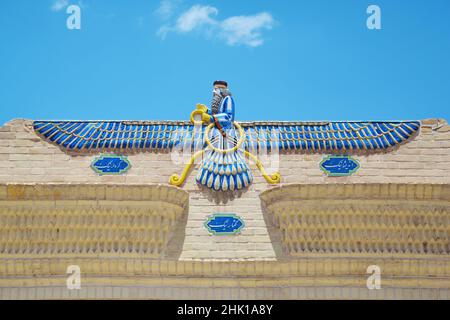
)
(425, 267)
(118, 192)
(364, 191)
(250, 282)
(438, 124)
(220, 293)
(320, 278)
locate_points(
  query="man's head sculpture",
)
(220, 91)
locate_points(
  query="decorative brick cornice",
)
(352, 220)
(361, 191)
(98, 192)
(88, 220)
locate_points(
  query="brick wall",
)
(26, 158)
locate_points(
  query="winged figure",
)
(224, 143)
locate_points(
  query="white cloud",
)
(196, 16)
(246, 30)
(59, 5)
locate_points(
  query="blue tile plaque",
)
(335, 165)
(110, 164)
(224, 224)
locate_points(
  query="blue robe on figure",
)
(224, 171)
(225, 116)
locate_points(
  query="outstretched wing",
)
(102, 135)
(330, 136)
(147, 135)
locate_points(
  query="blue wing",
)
(146, 135)
(99, 135)
(330, 136)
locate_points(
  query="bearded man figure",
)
(222, 108)
(220, 169)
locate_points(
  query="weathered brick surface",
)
(26, 158)
(301, 279)
(192, 293)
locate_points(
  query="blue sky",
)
(284, 60)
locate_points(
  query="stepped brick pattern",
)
(310, 236)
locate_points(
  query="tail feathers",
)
(224, 172)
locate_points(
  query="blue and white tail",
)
(224, 171)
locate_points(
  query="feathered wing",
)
(113, 135)
(226, 170)
(313, 137)
(341, 137)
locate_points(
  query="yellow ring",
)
(238, 144)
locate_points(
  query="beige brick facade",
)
(262, 256)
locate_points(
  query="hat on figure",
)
(220, 83)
